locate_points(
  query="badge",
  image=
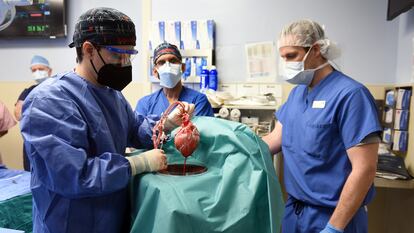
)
(318, 104)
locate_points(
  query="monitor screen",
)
(396, 7)
(32, 19)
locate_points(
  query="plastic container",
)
(213, 79)
(187, 71)
(204, 79)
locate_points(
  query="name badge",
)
(318, 104)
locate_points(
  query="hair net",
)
(39, 60)
(306, 33)
(166, 48)
(104, 26)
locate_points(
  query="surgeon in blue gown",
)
(328, 133)
(77, 126)
(168, 68)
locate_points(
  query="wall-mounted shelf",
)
(395, 119)
(208, 53)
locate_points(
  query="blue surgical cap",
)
(39, 60)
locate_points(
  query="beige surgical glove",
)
(174, 118)
(149, 161)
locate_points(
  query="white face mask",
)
(170, 74)
(294, 71)
(40, 75)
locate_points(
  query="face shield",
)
(121, 57)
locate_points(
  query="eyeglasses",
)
(123, 56)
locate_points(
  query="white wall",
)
(405, 59)
(371, 49)
(369, 42)
(15, 55)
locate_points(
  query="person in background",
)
(168, 68)
(41, 70)
(6, 122)
(328, 131)
(76, 127)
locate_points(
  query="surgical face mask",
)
(114, 76)
(40, 75)
(169, 74)
(294, 71)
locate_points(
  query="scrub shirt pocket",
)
(286, 137)
(317, 139)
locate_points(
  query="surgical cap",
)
(166, 48)
(306, 33)
(39, 60)
(104, 26)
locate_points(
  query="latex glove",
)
(174, 118)
(149, 161)
(331, 229)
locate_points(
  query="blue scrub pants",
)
(300, 217)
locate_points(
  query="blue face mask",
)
(169, 74)
(40, 75)
(294, 71)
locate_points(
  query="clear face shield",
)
(120, 57)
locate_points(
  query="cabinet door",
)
(274, 89)
(230, 88)
(247, 90)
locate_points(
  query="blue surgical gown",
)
(318, 127)
(156, 103)
(6, 173)
(75, 134)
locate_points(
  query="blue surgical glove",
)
(331, 229)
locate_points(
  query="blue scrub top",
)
(75, 135)
(318, 127)
(156, 103)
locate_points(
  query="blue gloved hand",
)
(331, 229)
